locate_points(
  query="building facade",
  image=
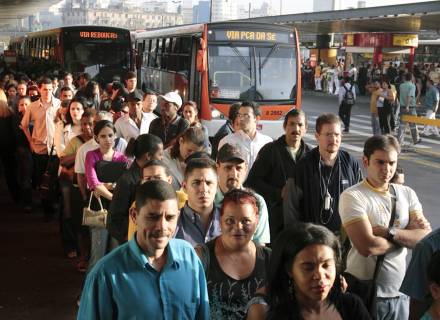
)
(127, 18)
(223, 10)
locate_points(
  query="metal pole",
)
(281, 7)
(210, 11)
(249, 10)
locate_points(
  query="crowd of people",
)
(234, 227)
(394, 91)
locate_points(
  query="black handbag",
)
(48, 179)
(367, 289)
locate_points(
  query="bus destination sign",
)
(247, 35)
(98, 35)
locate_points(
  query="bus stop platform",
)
(37, 281)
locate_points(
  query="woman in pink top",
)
(105, 134)
(103, 168)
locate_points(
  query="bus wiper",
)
(259, 67)
(272, 50)
(243, 59)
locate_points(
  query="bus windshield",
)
(97, 59)
(258, 73)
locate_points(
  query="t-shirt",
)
(407, 89)
(228, 297)
(363, 201)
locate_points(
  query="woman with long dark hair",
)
(192, 140)
(303, 280)
(385, 112)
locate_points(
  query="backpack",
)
(348, 96)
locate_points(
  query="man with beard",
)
(199, 219)
(276, 163)
(248, 139)
(231, 170)
(312, 194)
(152, 276)
(170, 125)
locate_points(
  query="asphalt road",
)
(421, 163)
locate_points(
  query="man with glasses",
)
(248, 139)
(170, 125)
(312, 194)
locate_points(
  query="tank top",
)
(227, 296)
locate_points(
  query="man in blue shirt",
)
(152, 276)
(407, 99)
(431, 105)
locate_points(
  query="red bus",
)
(217, 64)
(101, 51)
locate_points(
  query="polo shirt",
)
(407, 89)
(42, 117)
(262, 233)
(416, 284)
(124, 285)
(190, 227)
(249, 147)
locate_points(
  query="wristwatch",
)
(391, 233)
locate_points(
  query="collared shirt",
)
(124, 285)
(63, 134)
(249, 147)
(407, 89)
(262, 233)
(190, 227)
(431, 98)
(127, 128)
(44, 124)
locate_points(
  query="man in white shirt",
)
(248, 139)
(366, 210)
(353, 73)
(135, 124)
(149, 104)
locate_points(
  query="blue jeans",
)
(375, 124)
(99, 241)
(412, 126)
(392, 308)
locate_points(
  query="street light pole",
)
(210, 11)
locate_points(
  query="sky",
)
(300, 6)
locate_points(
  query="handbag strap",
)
(99, 201)
(381, 258)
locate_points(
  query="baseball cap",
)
(135, 96)
(173, 97)
(229, 152)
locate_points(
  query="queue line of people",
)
(229, 225)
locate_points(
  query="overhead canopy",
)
(414, 18)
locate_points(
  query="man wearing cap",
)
(170, 125)
(135, 124)
(231, 171)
